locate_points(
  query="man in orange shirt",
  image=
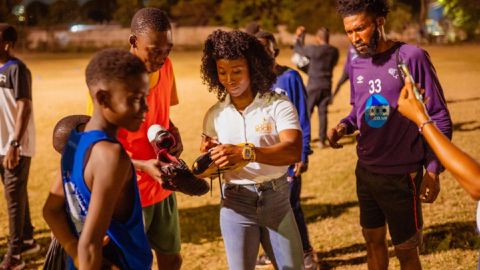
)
(151, 41)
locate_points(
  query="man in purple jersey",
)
(391, 151)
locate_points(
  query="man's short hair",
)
(150, 19)
(324, 34)
(113, 65)
(376, 8)
(8, 33)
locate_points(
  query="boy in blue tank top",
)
(97, 193)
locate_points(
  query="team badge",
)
(393, 72)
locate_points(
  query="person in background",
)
(323, 58)
(17, 147)
(289, 83)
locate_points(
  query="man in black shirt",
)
(323, 58)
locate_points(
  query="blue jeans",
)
(295, 189)
(251, 215)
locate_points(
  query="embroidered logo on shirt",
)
(265, 127)
(377, 111)
(393, 72)
(359, 79)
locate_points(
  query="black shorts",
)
(391, 199)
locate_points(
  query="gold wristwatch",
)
(248, 152)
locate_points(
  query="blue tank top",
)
(128, 247)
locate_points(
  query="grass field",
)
(328, 196)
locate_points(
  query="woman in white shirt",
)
(253, 125)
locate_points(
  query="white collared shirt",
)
(259, 124)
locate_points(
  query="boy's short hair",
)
(113, 65)
(377, 8)
(150, 19)
(8, 33)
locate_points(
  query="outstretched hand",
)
(409, 106)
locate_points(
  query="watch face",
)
(247, 152)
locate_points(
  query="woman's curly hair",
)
(234, 45)
(377, 8)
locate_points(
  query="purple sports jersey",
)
(389, 143)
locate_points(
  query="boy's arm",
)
(110, 168)
(56, 217)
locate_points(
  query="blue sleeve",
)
(297, 94)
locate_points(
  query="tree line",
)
(232, 13)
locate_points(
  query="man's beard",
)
(372, 45)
